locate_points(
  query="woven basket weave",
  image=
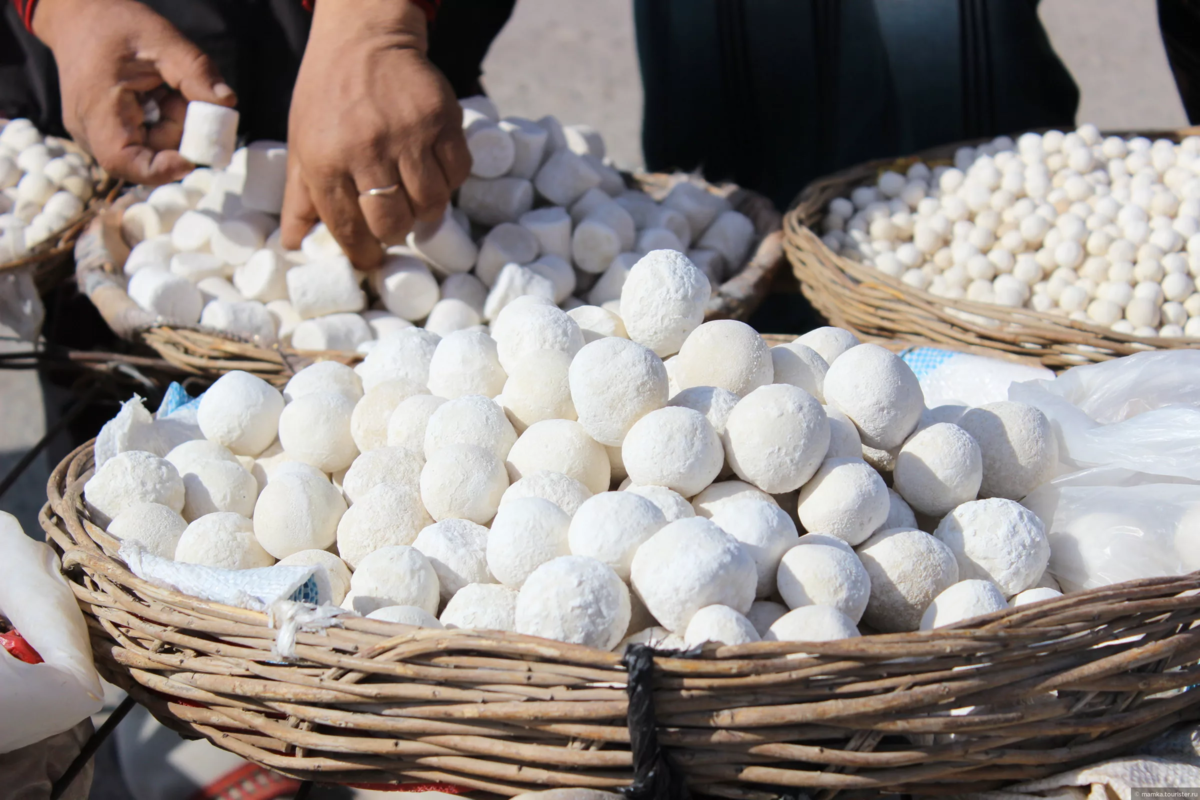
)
(878, 306)
(1011, 696)
(101, 254)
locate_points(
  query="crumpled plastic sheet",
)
(21, 307)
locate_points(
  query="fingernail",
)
(223, 91)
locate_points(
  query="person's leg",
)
(1179, 21)
(461, 36)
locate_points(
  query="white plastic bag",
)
(948, 377)
(40, 700)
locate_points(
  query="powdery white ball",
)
(718, 495)
(373, 413)
(908, 569)
(614, 383)
(560, 445)
(329, 566)
(691, 564)
(727, 354)
(382, 465)
(409, 421)
(672, 504)
(812, 624)
(405, 354)
(565, 492)
(457, 549)
(829, 342)
(715, 404)
(1018, 445)
(315, 429)
(610, 527)
(824, 575)
(998, 540)
(473, 420)
(844, 441)
(464, 482)
(900, 514)
(574, 599)
(776, 437)
(525, 534)
(387, 514)
(527, 327)
(763, 613)
(765, 531)
(393, 576)
(134, 476)
(466, 363)
(663, 300)
(211, 486)
(938, 468)
(964, 600)
(538, 388)
(720, 624)
(1035, 595)
(152, 525)
(800, 365)
(482, 606)
(878, 391)
(846, 498)
(223, 540)
(324, 376)
(673, 447)
(405, 615)
(240, 411)
(298, 510)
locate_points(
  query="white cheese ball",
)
(406, 615)
(395, 465)
(614, 383)
(211, 486)
(829, 342)
(673, 447)
(727, 354)
(152, 525)
(1034, 595)
(824, 575)
(718, 495)
(527, 327)
(409, 421)
(457, 549)
(565, 492)
(241, 412)
(844, 441)
(574, 599)
(720, 624)
(876, 389)
(324, 376)
(938, 469)
(297, 511)
(663, 300)
(597, 323)
(812, 624)
(388, 514)
(482, 606)
(800, 365)
(908, 569)
(466, 363)
(1019, 448)
(333, 568)
(473, 420)
(405, 354)
(223, 540)
(672, 504)
(691, 564)
(315, 429)
(525, 534)
(715, 404)
(564, 446)
(997, 540)
(655, 636)
(133, 476)
(776, 437)
(964, 600)
(462, 481)
(766, 533)
(846, 498)
(373, 413)
(538, 388)
(900, 514)
(611, 526)
(763, 613)
(393, 576)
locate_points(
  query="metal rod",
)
(55, 429)
(90, 747)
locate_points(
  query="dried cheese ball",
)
(776, 437)
(574, 599)
(482, 606)
(715, 404)
(908, 569)
(846, 499)
(406, 615)
(900, 515)
(466, 363)
(393, 576)
(241, 412)
(409, 421)
(614, 383)
(387, 514)
(799, 365)
(462, 481)
(844, 441)
(876, 389)
(324, 376)
(565, 492)
(938, 469)
(212, 486)
(763, 613)
(720, 624)
(673, 447)
(824, 575)
(470, 419)
(812, 624)
(829, 343)
(134, 476)
(611, 526)
(394, 465)
(152, 525)
(223, 540)
(298, 510)
(997, 540)
(538, 388)
(525, 534)
(525, 327)
(672, 504)
(765, 531)
(329, 565)
(457, 549)
(964, 600)
(1020, 450)
(373, 413)
(663, 300)
(718, 495)
(1034, 595)
(405, 355)
(560, 445)
(315, 429)
(726, 354)
(186, 455)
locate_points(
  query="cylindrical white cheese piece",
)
(209, 134)
(551, 226)
(266, 175)
(174, 299)
(406, 287)
(730, 235)
(325, 287)
(529, 145)
(525, 534)
(564, 178)
(344, 332)
(152, 253)
(248, 320)
(466, 288)
(241, 412)
(235, 240)
(480, 104)
(263, 277)
(574, 599)
(491, 202)
(197, 266)
(139, 222)
(506, 243)
(491, 147)
(445, 243)
(698, 206)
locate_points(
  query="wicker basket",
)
(1010, 696)
(878, 306)
(101, 253)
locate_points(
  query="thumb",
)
(185, 68)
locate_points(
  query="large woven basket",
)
(101, 254)
(878, 306)
(1010, 696)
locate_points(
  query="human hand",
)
(112, 55)
(370, 111)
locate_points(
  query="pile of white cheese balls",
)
(1100, 230)
(43, 187)
(543, 214)
(663, 480)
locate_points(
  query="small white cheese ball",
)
(406, 615)
(463, 481)
(597, 323)
(527, 326)
(846, 498)
(673, 447)
(812, 624)
(242, 412)
(333, 568)
(466, 363)
(776, 437)
(470, 419)
(829, 342)
(718, 495)
(525, 534)
(393, 576)
(878, 391)
(1019, 448)
(727, 354)
(223, 540)
(655, 636)
(212, 486)
(611, 526)
(844, 441)
(298, 510)
(409, 420)
(574, 599)
(765, 531)
(614, 383)
(800, 365)
(388, 514)
(763, 613)
(964, 600)
(908, 569)
(565, 492)
(450, 315)
(663, 300)
(824, 575)
(900, 514)
(997, 540)
(560, 445)
(457, 549)
(315, 429)
(152, 525)
(482, 606)
(1034, 595)
(691, 564)
(324, 376)
(133, 476)
(406, 354)
(395, 465)
(538, 388)
(720, 624)
(938, 468)
(373, 413)
(672, 504)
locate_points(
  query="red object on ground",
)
(250, 782)
(15, 644)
